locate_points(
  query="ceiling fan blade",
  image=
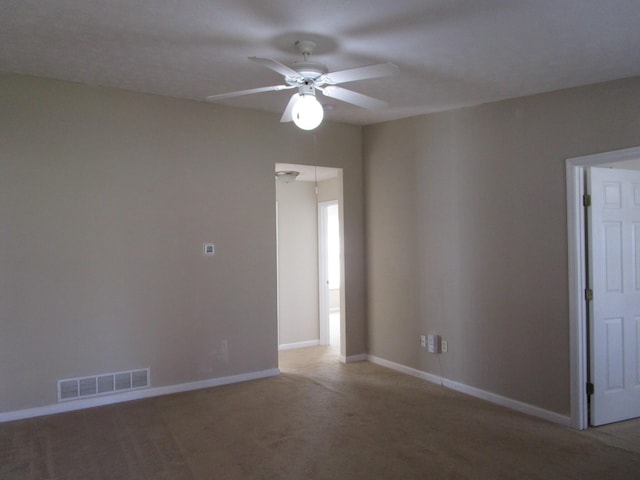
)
(361, 73)
(355, 98)
(213, 98)
(276, 66)
(287, 116)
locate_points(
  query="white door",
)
(614, 276)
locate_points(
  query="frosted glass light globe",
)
(307, 112)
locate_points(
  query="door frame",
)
(323, 274)
(576, 235)
(323, 271)
(278, 272)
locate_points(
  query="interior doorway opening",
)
(310, 246)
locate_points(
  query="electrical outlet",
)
(444, 345)
(423, 340)
(433, 343)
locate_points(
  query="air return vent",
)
(107, 383)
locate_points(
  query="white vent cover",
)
(104, 384)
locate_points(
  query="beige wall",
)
(331, 189)
(106, 198)
(466, 235)
(297, 262)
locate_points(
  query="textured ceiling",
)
(451, 53)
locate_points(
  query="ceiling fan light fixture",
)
(308, 76)
(307, 112)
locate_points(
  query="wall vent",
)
(104, 384)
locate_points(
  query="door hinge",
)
(588, 294)
(590, 388)
(586, 200)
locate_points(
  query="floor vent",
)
(75, 388)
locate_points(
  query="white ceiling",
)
(451, 53)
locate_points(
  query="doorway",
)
(309, 256)
(578, 273)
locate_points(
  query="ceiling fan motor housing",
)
(307, 88)
(309, 70)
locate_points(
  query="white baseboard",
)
(354, 358)
(133, 395)
(510, 403)
(291, 346)
(476, 392)
(404, 369)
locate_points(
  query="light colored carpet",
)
(318, 420)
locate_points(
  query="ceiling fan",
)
(308, 76)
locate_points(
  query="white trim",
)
(278, 270)
(362, 357)
(404, 369)
(475, 392)
(577, 283)
(69, 406)
(509, 403)
(292, 346)
(323, 275)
